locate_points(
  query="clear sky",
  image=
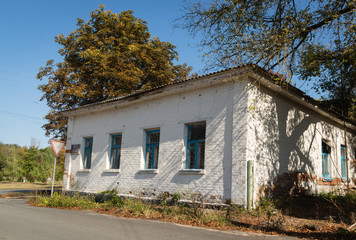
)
(27, 31)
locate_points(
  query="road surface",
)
(19, 221)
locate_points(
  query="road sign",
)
(57, 146)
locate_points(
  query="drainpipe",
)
(250, 184)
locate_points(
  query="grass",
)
(28, 185)
(269, 217)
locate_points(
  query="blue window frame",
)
(88, 146)
(115, 151)
(152, 149)
(343, 162)
(196, 146)
(326, 149)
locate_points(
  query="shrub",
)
(62, 200)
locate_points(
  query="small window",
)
(115, 151)
(196, 146)
(343, 162)
(152, 149)
(88, 146)
(326, 149)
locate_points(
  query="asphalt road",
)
(19, 221)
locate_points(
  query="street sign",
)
(57, 146)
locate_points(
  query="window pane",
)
(191, 157)
(153, 137)
(155, 164)
(113, 157)
(149, 157)
(87, 159)
(118, 158)
(326, 148)
(196, 132)
(117, 140)
(88, 143)
(201, 151)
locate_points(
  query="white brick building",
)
(197, 136)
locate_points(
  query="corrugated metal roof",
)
(270, 76)
(154, 88)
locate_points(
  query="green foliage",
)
(267, 206)
(335, 73)
(316, 39)
(137, 207)
(346, 234)
(263, 32)
(61, 200)
(32, 163)
(349, 197)
(108, 56)
(111, 198)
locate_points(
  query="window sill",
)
(111, 171)
(148, 171)
(84, 171)
(192, 171)
(327, 179)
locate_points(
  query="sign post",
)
(57, 146)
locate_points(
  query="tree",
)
(281, 35)
(110, 55)
(29, 162)
(335, 74)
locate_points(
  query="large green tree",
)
(281, 35)
(108, 56)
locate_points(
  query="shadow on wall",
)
(284, 139)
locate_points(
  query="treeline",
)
(29, 164)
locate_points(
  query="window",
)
(88, 145)
(343, 162)
(326, 149)
(195, 146)
(152, 149)
(115, 151)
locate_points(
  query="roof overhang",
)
(248, 73)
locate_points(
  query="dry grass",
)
(266, 219)
(27, 185)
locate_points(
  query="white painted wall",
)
(223, 107)
(285, 137)
(243, 122)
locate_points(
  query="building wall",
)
(223, 107)
(285, 141)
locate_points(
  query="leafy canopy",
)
(305, 36)
(108, 56)
(269, 33)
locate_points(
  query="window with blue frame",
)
(326, 149)
(343, 162)
(152, 149)
(88, 146)
(115, 151)
(195, 146)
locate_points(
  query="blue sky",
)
(27, 35)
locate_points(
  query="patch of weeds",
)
(343, 233)
(110, 198)
(136, 207)
(163, 198)
(267, 206)
(62, 200)
(176, 197)
(169, 199)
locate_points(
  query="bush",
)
(61, 200)
(110, 198)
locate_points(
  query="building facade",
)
(197, 138)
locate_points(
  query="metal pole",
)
(54, 174)
(250, 184)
